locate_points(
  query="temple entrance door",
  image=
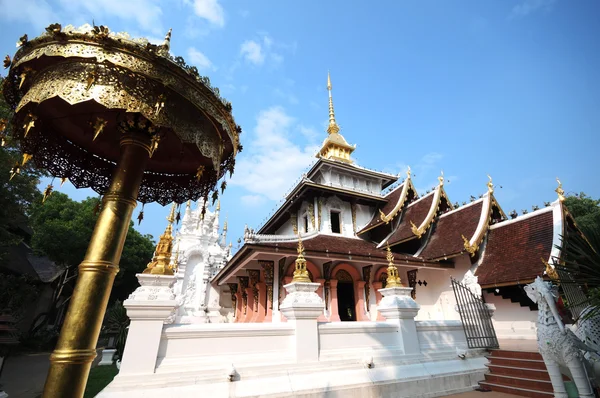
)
(345, 296)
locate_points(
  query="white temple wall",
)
(285, 229)
(511, 321)
(364, 214)
(437, 299)
(185, 347)
(436, 335)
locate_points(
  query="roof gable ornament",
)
(389, 217)
(490, 185)
(435, 205)
(560, 191)
(300, 273)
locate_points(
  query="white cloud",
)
(252, 200)
(271, 161)
(530, 6)
(210, 10)
(252, 52)
(146, 14)
(198, 59)
(286, 95)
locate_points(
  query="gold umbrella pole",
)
(76, 348)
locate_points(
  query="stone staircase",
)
(517, 372)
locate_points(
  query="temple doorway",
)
(345, 296)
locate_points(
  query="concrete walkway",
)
(24, 376)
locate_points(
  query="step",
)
(517, 354)
(520, 382)
(524, 392)
(517, 363)
(535, 374)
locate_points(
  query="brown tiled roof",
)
(339, 245)
(392, 200)
(446, 239)
(416, 213)
(514, 251)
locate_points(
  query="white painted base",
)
(107, 356)
(3, 394)
(396, 376)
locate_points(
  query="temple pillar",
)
(378, 296)
(399, 308)
(250, 306)
(320, 289)
(335, 316)
(302, 306)
(260, 293)
(359, 294)
(269, 272)
(238, 307)
(149, 307)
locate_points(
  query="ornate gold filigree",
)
(367, 278)
(268, 269)
(490, 185)
(47, 192)
(550, 271)
(319, 207)
(311, 214)
(7, 62)
(471, 249)
(254, 276)
(435, 205)
(233, 287)
(29, 123)
(353, 209)
(294, 221)
(243, 286)
(26, 158)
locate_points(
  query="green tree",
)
(585, 211)
(62, 229)
(18, 194)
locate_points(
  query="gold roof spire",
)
(560, 191)
(333, 127)
(335, 146)
(393, 280)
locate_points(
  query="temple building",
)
(347, 219)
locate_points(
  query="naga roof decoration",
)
(386, 218)
(415, 211)
(392, 199)
(439, 193)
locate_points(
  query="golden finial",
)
(490, 185)
(63, 180)
(199, 173)
(560, 191)
(408, 172)
(441, 178)
(415, 230)
(47, 193)
(300, 273)
(29, 122)
(161, 261)
(188, 204)
(393, 280)
(333, 127)
(219, 205)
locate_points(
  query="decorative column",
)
(398, 307)
(359, 290)
(268, 269)
(244, 296)
(334, 316)
(321, 282)
(254, 276)
(233, 287)
(149, 307)
(302, 306)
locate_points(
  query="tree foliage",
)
(63, 229)
(585, 211)
(581, 251)
(16, 195)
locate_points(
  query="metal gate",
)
(475, 317)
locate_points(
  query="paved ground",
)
(23, 376)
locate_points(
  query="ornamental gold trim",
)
(390, 216)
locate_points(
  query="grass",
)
(99, 378)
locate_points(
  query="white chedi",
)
(200, 251)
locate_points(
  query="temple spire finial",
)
(560, 191)
(333, 127)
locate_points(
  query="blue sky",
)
(510, 88)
